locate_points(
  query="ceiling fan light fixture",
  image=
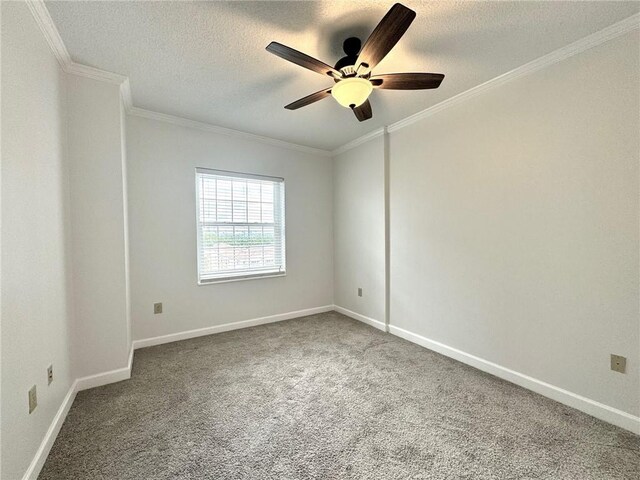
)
(352, 73)
(352, 92)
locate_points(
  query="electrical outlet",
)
(49, 374)
(618, 363)
(359, 292)
(157, 308)
(33, 399)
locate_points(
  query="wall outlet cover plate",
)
(33, 399)
(618, 363)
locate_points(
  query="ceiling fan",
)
(352, 73)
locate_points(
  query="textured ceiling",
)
(207, 61)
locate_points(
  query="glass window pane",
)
(224, 189)
(256, 256)
(255, 235)
(254, 212)
(268, 235)
(267, 192)
(208, 211)
(269, 255)
(253, 191)
(208, 188)
(240, 190)
(267, 213)
(209, 260)
(226, 258)
(239, 211)
(224, 211)
(241, 236)
(209, 237)
(236, 230)
(241, 257)
(225, 236)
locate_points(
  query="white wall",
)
(36, 292)
(358, 219)
(98, 206)
(162, 158)
(514, 224)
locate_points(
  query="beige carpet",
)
(326, 397)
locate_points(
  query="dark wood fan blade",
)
(363, 112)
(309, 99)
(301, 59)
(407, 81)
(386, 35)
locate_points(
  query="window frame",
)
(256, 273)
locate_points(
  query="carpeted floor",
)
(326, 397)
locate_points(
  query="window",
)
(240, 225)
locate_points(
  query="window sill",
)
(240, 278)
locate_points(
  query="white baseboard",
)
(591, 407)
(586, 405)
(124, 373)
(56, 424)
(356, 316)
(47, 442)
(174, 337)
(106, 378)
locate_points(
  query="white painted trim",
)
(96, 74)
(52, 36)
(49, 438)
(586, 405)
(121, 374)
(358, 141)
(590, 41)
(207, 127)
(56, 424)
(125, 92)
(579, 46)
(387, 230)
(356, 316)
(200, 332)
(106, 378)
(130, 361)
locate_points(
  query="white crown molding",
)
(590, 41)
(579, 46)
(358, 141)
(125, 93)
(185, 122)
(96, 73)
(52, 35)
(50, 32)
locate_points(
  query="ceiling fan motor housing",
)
(351, 47)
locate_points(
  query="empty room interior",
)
(320, 240)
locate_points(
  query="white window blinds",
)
(240, 225)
